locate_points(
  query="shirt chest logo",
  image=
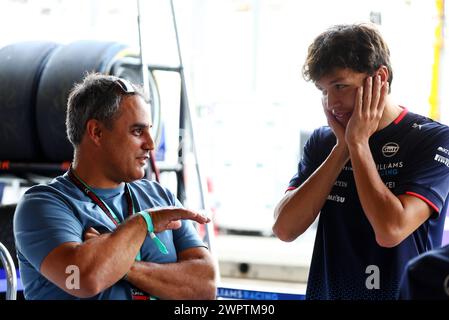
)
(390, 149)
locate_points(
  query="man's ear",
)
(94, 131)
(383, 73)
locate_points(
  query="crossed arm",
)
(104, 259)
(191, 277)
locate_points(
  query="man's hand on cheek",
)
(336, 127)
(369, 106)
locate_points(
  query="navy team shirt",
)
(412, 157)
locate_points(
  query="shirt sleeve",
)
(427, 176)
(187, 236)
(310, 160)
(153, 195)
(42, 222)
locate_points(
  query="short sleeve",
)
(316, 149)
(42, 222)
(427, 176)
(158, 196)
(187, 236)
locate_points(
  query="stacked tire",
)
(21, 67)
(35, 81)
(67, 66)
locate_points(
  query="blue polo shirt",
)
(412, 157)
(50, 215)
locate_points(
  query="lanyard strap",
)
(98, 201)
(136, 293)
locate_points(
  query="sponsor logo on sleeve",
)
(390, 149)
(444, 150)
(419, 126)
(415, 125)
(442, 160)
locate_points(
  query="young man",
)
(99, 231)
(378, 174)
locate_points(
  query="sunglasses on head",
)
(124, 85)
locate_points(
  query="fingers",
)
(367, 96)
(369, 105)
(186, 214)
(376, 94)
(94, 231)
(173, 225)
(336, 127)
(169, 218)
(358, 107)
(383, 96)
(201, 218)
(91, 233)
(372, 100)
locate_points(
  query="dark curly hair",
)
(359, 47)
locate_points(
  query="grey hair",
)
(96, 97)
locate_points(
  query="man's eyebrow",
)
(339, 79)
(333, 81)
(139, 126)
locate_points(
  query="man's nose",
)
(332, 101)
(148, 143)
